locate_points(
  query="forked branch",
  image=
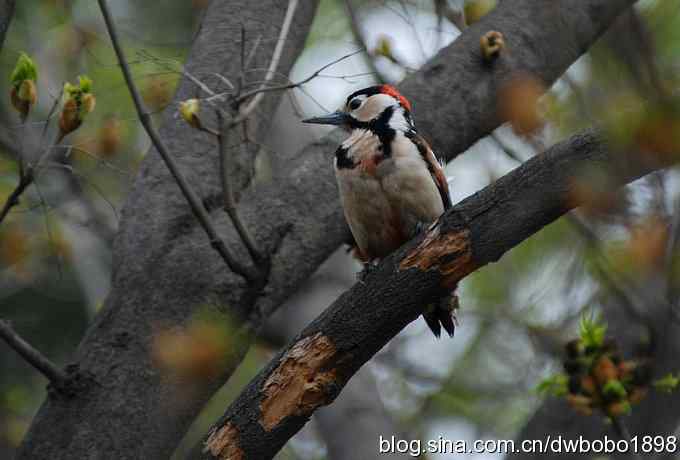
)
(192, 198)
(228, 194)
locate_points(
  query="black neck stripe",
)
(380, 127)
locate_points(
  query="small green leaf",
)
(25, 69)
(85, 83)
(556, 385)
(592, 331)
(615, 388)
(667, 384)
(84, 86)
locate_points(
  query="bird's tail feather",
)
(442, 315)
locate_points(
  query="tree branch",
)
(229, 204)
(361, 40)
(13, 199)
(31, 355)
(244, 112)
(194, 201)
(312, 369)
(162, 273)
(350, 427)
(27, 175)
(6, 16)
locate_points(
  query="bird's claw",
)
(369, 267)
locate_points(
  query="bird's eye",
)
(354, 104)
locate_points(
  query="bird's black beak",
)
(336, 118)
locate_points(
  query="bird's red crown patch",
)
(392, 91)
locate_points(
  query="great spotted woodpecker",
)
(391, 183)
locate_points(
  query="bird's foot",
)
(369, 267)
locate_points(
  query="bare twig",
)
(229, 205)
(31, 355)
(616, 281)
(361, 39)
(507, 149)
(27, 176)
(13, 199)
(273, 64)
(622, 431)
(144, 116)
(208, 130)
(167, 64)
(289, 85)
(251, 55)
(456, 16)
(241, 76)
(51, 114)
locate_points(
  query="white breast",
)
(383, 203)
(409, 185)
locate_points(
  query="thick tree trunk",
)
(164, 268)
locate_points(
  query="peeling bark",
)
(298, 386)
(449, 254)
(223, 444)
(473, 233)
(357, 417)
(164, 270)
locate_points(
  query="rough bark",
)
(164, 270)
(312, 369)
(543, 38)
(350, 427)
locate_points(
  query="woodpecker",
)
(391, 183)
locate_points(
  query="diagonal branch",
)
(156, 283)
(244, 112)
(13, 199)
(313, 368)
(6, 15)
(36, 359)
(229, 204)
(361, 40)
(191, 196)
(27, 175)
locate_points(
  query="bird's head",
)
(366, 106)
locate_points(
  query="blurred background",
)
(55, 248)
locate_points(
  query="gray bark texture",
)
(351, 426)
(164, 269)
